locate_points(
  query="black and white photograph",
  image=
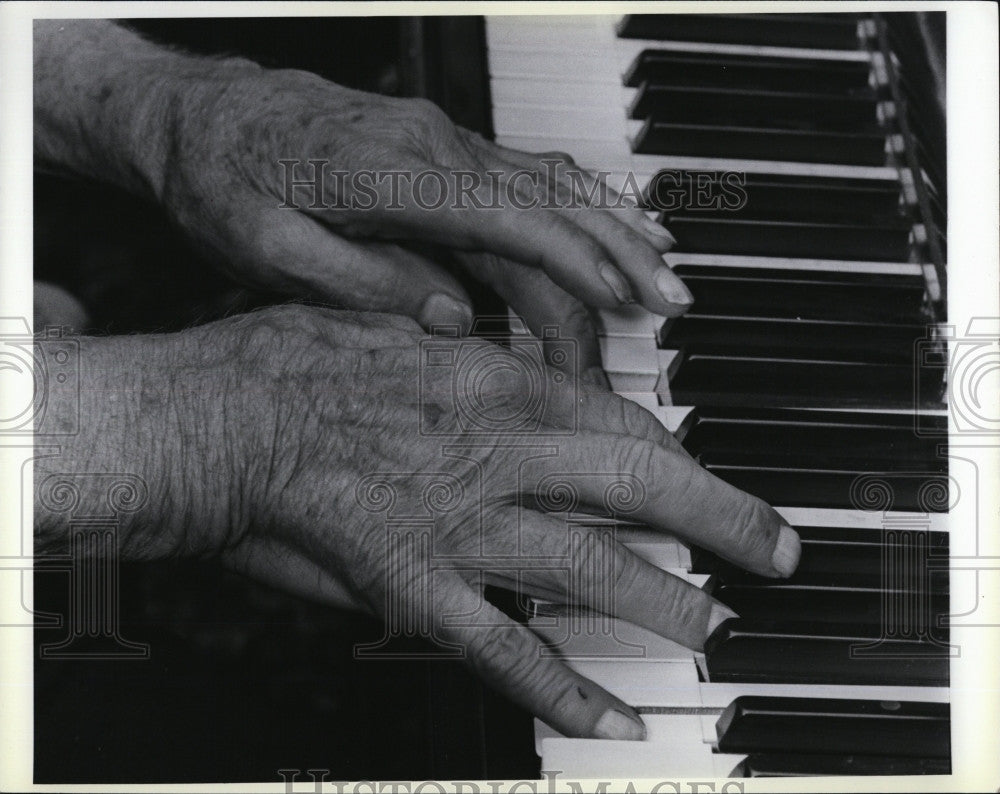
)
(500, 397)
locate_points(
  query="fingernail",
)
(617, 283)
(787, 551)
(615, 725)
(672, 288)
(659, 231)
(441, 309)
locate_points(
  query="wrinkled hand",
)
(291, 435)
(220, 144)
(242, 137)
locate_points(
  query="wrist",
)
(156, 410)
(107, 101)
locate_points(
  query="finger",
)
(310, 260)
(601, 575)
(546, 309)
(280, 565)
(511, 659)
(603, 411)
(562, 166)
(566, 404)
(651, 280)
(491, 214)
(681, 497)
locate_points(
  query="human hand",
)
(206, 138)
(272, 440)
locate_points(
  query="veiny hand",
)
(272, 441)
(206, 138)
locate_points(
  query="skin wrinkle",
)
(255, 431)
(203, 136)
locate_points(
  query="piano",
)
(799, 160)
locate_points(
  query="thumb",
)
(542, 304)
(297, 255)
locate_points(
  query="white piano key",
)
(601, 637)
(631, 320)
(659, 727)
(631, 363)
(675, 684)
(507, 92)
(676, 758)
(675, 744)
(573, 33)
(782, 263)
(608, 124)
(632, 382)
(863, 519)
(516, 64)
(667, 553)
(648, 400)
(608, 153)
(671, 416)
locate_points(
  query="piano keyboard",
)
(792, 376)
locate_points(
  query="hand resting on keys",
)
(291, 444)
(220, 144)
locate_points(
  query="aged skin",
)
(255, 434)
(205, 137)
(258, 434)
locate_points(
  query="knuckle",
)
(429, 116)
(635, 456)
(505, 654)
(636, 421)
(680, 607)
(750, 524)
(627, 579)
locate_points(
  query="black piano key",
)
(761, 143)
(845, 606)
(864, 441)
(720, 380)
(807, 764)
(755, 651)
(749, 72)
(827, 488)
(721, 234)
(834, 727)
(841, 558)
(819, 31)
(810, 446)
(776, 197)
(819, 295)
(893, 343)
(679, 104)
